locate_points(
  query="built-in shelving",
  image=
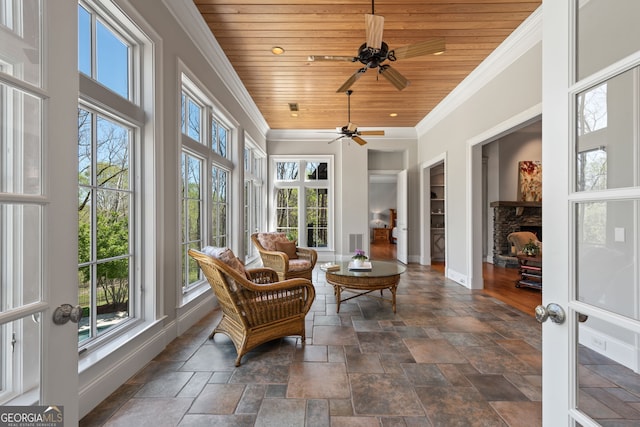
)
(437, 207)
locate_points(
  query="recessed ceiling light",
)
(294, 114)
(393, 115)
(277, 50)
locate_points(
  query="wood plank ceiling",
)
(248, 29)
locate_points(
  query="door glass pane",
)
(606, 261)
(605, 129)
(608, 382)
(607, 32)
(20, 52)
(20, 359)
(20, 142)
(20, 257)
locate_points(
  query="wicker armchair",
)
(299, 263)
(256, 307)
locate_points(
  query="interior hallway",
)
(449, 356)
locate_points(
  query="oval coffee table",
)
(383, 275)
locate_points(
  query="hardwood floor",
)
(499, 282)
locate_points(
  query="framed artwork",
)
(530, 181)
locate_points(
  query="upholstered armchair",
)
(282, 255)
(521, 238)
(256, 306)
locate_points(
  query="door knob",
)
(552, 310)
(67, 312)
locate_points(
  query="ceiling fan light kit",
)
(350, 130)
(374, 52)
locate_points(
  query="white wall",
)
(496, 94)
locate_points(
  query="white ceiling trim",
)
(191, 21)
(523, 38)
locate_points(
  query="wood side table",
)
(382, 234)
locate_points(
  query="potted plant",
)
(359, 258)
(531, 248)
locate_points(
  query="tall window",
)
(110, 132)
(206, 171)
(253, 206)
(302, 200)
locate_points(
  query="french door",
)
(591, 214)
(38, 221)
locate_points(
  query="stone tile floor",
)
(448, 357)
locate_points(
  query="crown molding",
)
(523, 38)
(191, 21)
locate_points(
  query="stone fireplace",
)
(509, 217)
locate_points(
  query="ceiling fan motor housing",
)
(372, 57)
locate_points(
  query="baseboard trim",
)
(608, 346)
(459, 278)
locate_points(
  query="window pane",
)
(286, 171)
(222, 141)
(287, 212)
(183, 113)
(605, 130)
(606, 237)
(112, 213)
(316, 171)
(194, 120)
(112, 61)
(607, 32)
(316, 202)
(20, 142)
(113, 155)
(20, 362)
(21, 49)
(112, 294)
(20, 275)
(84, 41)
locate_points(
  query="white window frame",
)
(138, 112)
(254, 201)
(210, 111)
(301, 184)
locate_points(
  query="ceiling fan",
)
(374, 52)
(351, 129)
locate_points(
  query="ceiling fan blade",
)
(375, 27)
(351, 80)
(352, 127)
(371, 132)
(359, 140)
(335, 139)
(331, 58)
(394, 77)
(427, 47)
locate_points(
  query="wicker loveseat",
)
(273, 248)
(256, 307)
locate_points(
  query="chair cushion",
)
(227, 256)
(299, 264)
(288, 248)
(268, 240)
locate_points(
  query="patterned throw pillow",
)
(268, 240)
(227, 256)
(288, 248)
